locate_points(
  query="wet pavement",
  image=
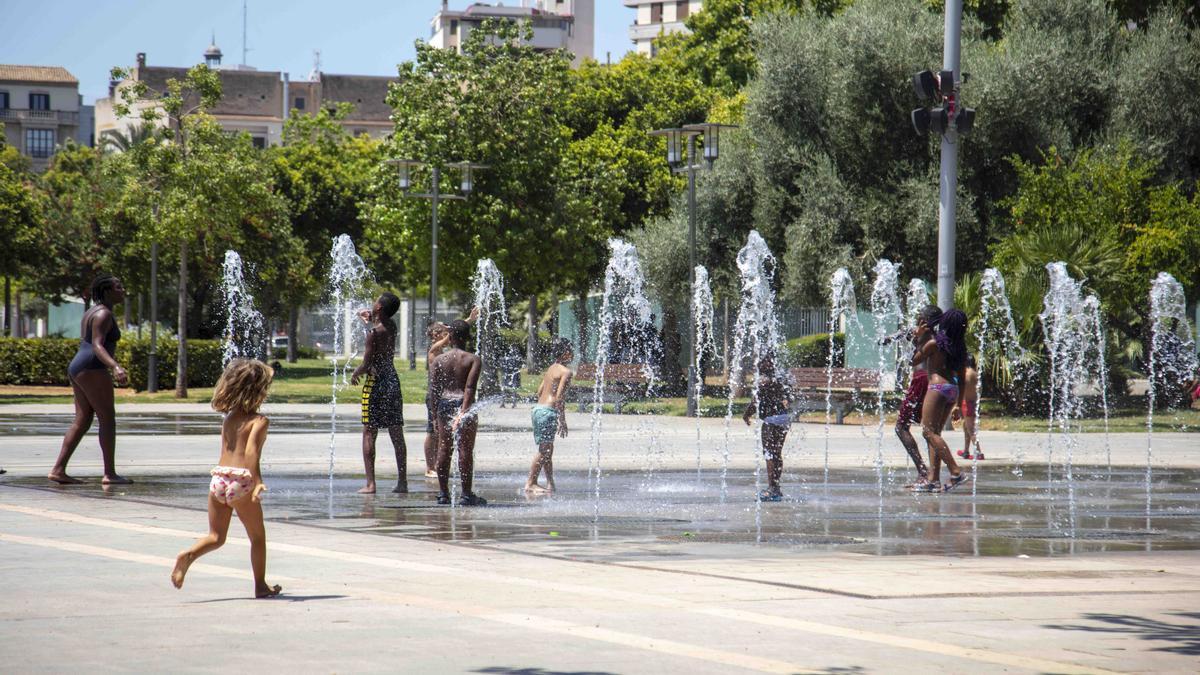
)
(668, 513)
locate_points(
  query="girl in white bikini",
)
(236, 480)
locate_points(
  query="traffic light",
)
(941, 113)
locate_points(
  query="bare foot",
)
(431, 474)
(182, 563)
(116, 480)
(368, 490)
(401, 488)
(62, 478)
(536, 489)
(549, 487)
(267, 591)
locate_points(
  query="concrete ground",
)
(85, 572)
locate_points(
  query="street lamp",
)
(681, 155)
(435, 195)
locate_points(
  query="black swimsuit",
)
(85, 358)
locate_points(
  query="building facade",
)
(557, 24)
(654, 18)
(259, 102)
(39, 107)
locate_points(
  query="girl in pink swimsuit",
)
(236, 484)
(944, 358)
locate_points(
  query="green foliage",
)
(44, 361)
(21, 217)
(204, 360)
(302, 351)
(812, 351)
(36, 360)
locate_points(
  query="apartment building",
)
(654, 18)
(40, 109)
(259, 102)
(557, 24)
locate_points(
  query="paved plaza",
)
(666, 571)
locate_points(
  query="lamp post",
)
(949, 118)
(681, 155)
(435, 195)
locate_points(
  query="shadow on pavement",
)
(279, 598)
(1184, 636)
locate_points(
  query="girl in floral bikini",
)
(236, 481)
(944, 358)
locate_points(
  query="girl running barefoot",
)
(944, 358)
(236, 480)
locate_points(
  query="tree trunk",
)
(8, 306)
(181, 354)
(531, 343)
(292, 329)
(19, 323)
(126, 305)
(581, 318)
(553, 314)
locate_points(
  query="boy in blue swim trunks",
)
(550, 416)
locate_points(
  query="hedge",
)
(812, 351)
(45, 360)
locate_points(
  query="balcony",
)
(67, 117)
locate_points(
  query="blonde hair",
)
(242, 387)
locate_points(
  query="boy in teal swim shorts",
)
(549, 415)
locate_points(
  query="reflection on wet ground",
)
(194, 424)
(1007, 515)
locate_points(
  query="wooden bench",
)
(622, 382)
(846, 388)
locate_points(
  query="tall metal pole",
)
(433, 281)
(152, 365)
(691, 368)
(949, 180)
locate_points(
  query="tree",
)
(324, 174)
(20, 219)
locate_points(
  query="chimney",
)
(141, 59)
(112, 88)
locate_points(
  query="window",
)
(39, 101)
(681, 10)
(656, 12)
(3, 100)
(258, 142)
(298, 103)
(39, 142)
(454, 26)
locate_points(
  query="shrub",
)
(44, 361)
(302, 352)
(36, 361)
(812, 351)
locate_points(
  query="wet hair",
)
(389, 304)
(951, 338)
(242, 387)
(433, 328)
(460, 331)
(971, 361)
(101, 285)
(560, 347)
(929, 315)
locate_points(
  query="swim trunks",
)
(914, 398)
(545, 423)
(230, 483)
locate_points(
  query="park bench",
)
(847, 387)
(622, 382)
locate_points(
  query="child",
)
(771, 404)
(550, 415)
(453, 380)
(439, 339)
(944, 358)
(970, 401)
(382, 403)
(914, 398)
(236, 480)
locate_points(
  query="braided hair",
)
(101, 285)
(951, 338)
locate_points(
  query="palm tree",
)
(124, 141)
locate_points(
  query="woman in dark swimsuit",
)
(92, 383)
(944, 357)
(382, 404)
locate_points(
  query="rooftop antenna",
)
(244, 47)
(316, 69)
